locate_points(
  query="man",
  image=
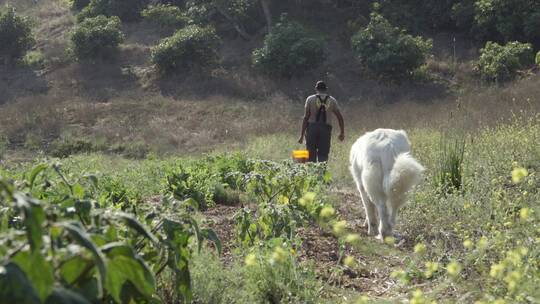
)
(318, 123)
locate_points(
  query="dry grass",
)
(124, 101)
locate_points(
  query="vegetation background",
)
(152, 97)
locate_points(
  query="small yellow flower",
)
(431, 268)
(468, 244)
(278, 256)
(523, 251)
(524, 213)
(453, 268)
(362, 300)
(390, 240)
(418, 297)
(512, 279)
(349, 261)
(482, 243)
(327, 212)
(420, 248)
(309, 196)
(352, 238)
(496, 270)
(251, 260)
(339, 228)
(518, 174)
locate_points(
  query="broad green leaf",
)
(197, 232)
(190, 202)
(133, 223)
(73, 268)
(211, 235)
(78, 191)
(84, 240)
(34, 173)
(38, 271)
(179, 263)
(123, 268)
(33, 219)
(15, 286)
(92, 179)
(65, 296)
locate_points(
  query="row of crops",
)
(80, 237)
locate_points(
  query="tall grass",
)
(448, 174)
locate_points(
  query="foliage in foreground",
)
(480, 243)
(96, 251)
(67, 241)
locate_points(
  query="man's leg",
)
(311, 142)
(324, 143)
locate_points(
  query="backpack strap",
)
(321, 113)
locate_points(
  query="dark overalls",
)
(318, 134)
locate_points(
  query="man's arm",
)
(304, 124)
(341, 124)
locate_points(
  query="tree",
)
(388, 51)
(96, 37)
(498, 63)
(190, 47)
(288, 50)
(15, 35)
(127, 10)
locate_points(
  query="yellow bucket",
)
(300, 156)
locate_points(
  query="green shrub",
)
(387, 50)
(67, 146)
(79, 4)
(289, 50)
(538, 58)
(165, 15)
(508, 20)
(127, 10)
(501, 62)
(190, 47)
(96, 37)
(15, 35)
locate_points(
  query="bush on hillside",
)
(538, 59)
(96, 37)
(15, 35)
(79, 4)
(165, 15)
(127, 10)
(387, 50)
(190, 47)
(289, 50)
(508, 20)
(501, 62)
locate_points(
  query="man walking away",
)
(317, 124)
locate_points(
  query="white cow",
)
(384, 171)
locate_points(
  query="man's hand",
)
(341, 136)
(301, 140)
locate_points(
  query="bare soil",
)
(321, 249)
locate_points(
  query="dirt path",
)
(374, 261)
